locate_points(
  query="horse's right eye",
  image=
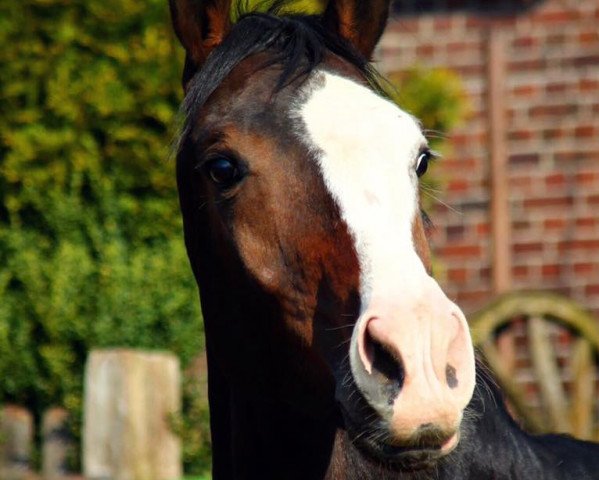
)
(223, 171)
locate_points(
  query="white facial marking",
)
(368, 148)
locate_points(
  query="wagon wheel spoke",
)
(506, 380)
(547, 373)
(583, 373)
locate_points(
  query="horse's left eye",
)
(223, 171)
(422, 162)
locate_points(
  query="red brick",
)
(484, 22)
(442, 23)
(483, 229)
(522, 181)
(583, 268)
(455, 232)
(520, 225)
(578, 245)
(504, 21)
(524, 159)
(553, 133)
(525, 90)
(585, 131)
(527, 247)
(554, 224)
(461, 251)
(555, 180)
(472, 70)
(476, 22)
(485, 273)
(567, 157)
(520, 271)
(556, 16)
(468, 139)
(457, 274)
(406, 25)
(556, 39)
(553, 110)
(521, 135)
(583, 61)
(593, 200)
(458, 185)
(549, 271)
(526, 41)
(586, 178)
(556, 87)
(534, 64)
(588, 85)
(588, 37)
(592, 290)
(586, 222)
(459, 164)
(425, 50)
(463, 47)
(473, 296)
(548, 202)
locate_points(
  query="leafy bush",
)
(435, 96)
(194, 428)
(91, 250)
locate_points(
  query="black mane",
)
(297, 43)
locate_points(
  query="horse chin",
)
(417, 457)
(411, 455)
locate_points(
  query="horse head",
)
(299, 188)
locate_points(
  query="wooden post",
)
(129, 396)
(500, 217)
(57, 443)
(16, 437)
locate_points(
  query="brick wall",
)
(552, 106)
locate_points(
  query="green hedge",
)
(91, 250)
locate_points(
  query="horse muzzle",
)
(413, 363)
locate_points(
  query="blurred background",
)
(91, 248)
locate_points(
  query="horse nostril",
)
(451, 376)
(387, 367)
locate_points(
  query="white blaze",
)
(367, 148)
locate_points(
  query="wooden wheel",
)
(549, 374)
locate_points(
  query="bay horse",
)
(332, 352)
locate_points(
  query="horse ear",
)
(360, 22)
(200, 26)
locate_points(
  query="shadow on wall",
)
(494, 7)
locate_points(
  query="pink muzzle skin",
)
(413, 362)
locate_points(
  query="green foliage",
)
(435, 96)
(309, 7)
(194, 428)
(91, 251)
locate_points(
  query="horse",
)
(332, 351)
